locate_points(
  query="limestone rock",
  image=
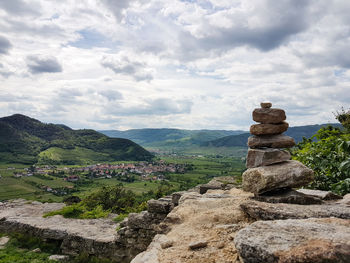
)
(162, 206)
(262, 157)
(176, 197)
(3, 241)
(288, 196)
(308, 240)
(266, 105)
(59, 258)
(269, 115)
(324, 195)
(271, 141)
(198, 244)
(268, 129)
(36, 250)
(269, 211)
(287, 174)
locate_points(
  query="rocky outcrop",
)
(289, 196)
(96, 237)
(308, 240)
(203, 229)
(269, 211)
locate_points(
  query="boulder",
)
(287, 174)
(268, 211)
(307, 240)
(262, 157)
(269, 115)
(266, 105)
(160, 206)
(268, 129)
(271, 141)
(324, 195)
(288, 196)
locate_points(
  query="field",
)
(35, 187)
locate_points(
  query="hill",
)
(297, 133)
(27, 140)
(170, 137)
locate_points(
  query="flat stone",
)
(261, 157)
(269, 115)
(287, 174)
(266, 105)
(271, 141)
(198, 244)
(288, 196)
(268, 211)
(268, 129)
(308, 240)
(324, 195)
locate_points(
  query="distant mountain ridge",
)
(297, 133)
(27, 140)
(169, 136)
(165, 137)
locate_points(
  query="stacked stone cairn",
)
(270, 169)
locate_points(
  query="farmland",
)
(51, 183)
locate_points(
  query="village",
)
(124, 172)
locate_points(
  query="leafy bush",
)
(328, 154)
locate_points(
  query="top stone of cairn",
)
(268, 115)
(266, 105)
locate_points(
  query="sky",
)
(190, 64)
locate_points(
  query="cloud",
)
(19, 7)
(158, 107)
(110, 95)
(117, 7)
(39, 64)
(5, 45)
(4, 72)
(123, 66)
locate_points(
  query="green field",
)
(203, 170)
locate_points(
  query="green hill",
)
(27, 140)
(169, 137)
(241, 140)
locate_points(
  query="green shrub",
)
(328, 154)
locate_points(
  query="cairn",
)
(270, 169)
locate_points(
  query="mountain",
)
(27, 140)
(169, 137)
(295, 132)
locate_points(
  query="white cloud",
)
(160, 63)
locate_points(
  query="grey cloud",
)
(5, 45)
(4, 72)
(160, 106)
(336, 54)
(124, 66)
(281, 20)
(117, 7)
(111, 95)
(38, 64)
(19, 7)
